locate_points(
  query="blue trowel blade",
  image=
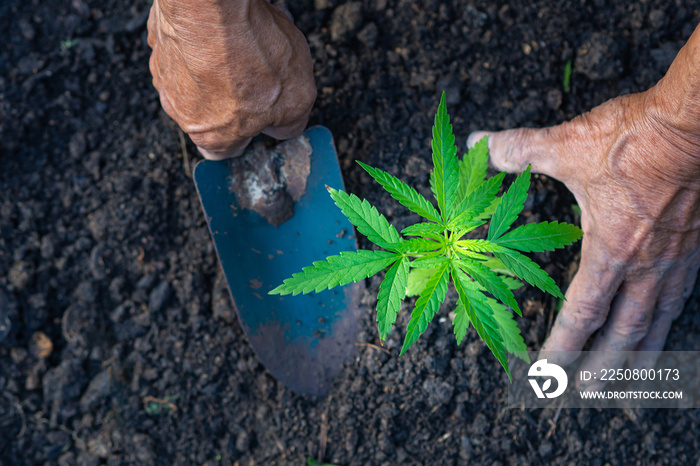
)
(302, 340)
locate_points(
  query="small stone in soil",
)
(40, 346)
(100, 387)
(368, 35)
(439, 393)
(159, 296)
(346, 20)
(599, 58)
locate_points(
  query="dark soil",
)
(104, 249)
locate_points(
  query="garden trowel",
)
(270, 214)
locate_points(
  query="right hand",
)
(227, 73)
(633, 164)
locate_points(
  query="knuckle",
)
(522, 139)
(633, 329)
(152, 19)
(511, 148)
(589, 316)
(296, 102)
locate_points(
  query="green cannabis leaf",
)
(348, 267)
(510, 206)
(427, 304)
(365, 217)
(481, 316)
(403, 193)
(445, 176)
(538, 237)
(460, 322)
(426, 257)
(391, 292)
(509, 330)
(313, 462)
(472, 169)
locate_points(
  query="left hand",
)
(231, 69)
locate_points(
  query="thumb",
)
(514, 149)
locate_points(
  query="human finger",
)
(669, 306)
(628, 323)
(514, 149)
(587, 305)
(218, 152)
(676, 289)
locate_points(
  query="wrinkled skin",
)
(633, 164)
(228, 70)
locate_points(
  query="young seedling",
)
(566, 80)
(426, 257)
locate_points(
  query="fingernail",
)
(476, 137)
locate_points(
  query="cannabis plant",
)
(426, 257)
